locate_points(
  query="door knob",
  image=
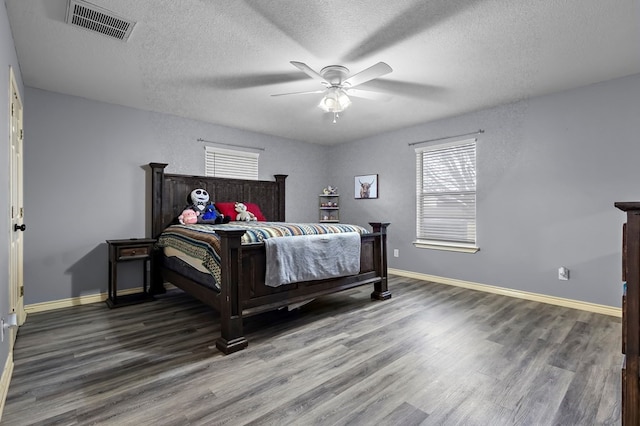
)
(17, 227)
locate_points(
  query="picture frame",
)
(366, 187)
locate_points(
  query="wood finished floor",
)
(431, 355)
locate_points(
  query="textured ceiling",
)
(219, 61)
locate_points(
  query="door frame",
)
(16, 160)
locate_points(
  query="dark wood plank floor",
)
(431, 355)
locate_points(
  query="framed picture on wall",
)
(366, 186)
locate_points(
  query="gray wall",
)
(7, 59)
(85, 183)
(549, 170)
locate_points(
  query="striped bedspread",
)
(199, 244)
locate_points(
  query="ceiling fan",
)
(339, 85)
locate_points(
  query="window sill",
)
(460, 248)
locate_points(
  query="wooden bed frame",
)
(243, 291)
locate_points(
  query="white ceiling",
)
(220, 60)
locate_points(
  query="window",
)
(228, 163)
(446, 196)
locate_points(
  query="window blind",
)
(446, 193)
(229, 163)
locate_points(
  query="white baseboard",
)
(81, 300)
(5, 380)
(536, 297)
(75, 301)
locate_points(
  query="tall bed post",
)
(280, 179)
(231, 334)
(157, 191)
(381, 289)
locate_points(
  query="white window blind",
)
(446, 194)
(228, 163)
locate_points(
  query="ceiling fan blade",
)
(299, 93)
(370, 73)
(368, 94)
(406, 88)
(244, 81)
(308, 71)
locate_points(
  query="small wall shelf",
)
(329, 207)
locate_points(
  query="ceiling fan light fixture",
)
(338, 82)
(336, 100)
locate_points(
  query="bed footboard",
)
(242, 274)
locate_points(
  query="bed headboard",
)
(170, 192)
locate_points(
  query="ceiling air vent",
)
(93, 18)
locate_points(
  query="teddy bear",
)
(188, 216)
(243, 214)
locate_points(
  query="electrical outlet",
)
(396, 253)
(563, 273)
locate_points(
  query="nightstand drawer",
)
(124, 252)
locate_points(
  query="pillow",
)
(229, 209)
(253, 208)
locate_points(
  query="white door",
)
(16, 289)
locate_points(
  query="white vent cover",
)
(93, 18)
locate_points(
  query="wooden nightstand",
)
(127, 251)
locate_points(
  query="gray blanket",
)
(311, 257)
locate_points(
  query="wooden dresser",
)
(631, 313)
